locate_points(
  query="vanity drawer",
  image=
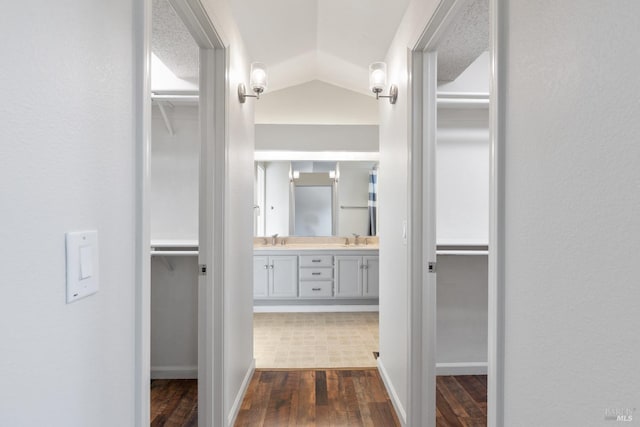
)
(316, 289)
(316, 260)
(325, 273)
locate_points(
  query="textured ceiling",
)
(465, 38)
(333, 41)
(172, 43)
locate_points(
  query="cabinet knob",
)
(315, 274)
(266, 266)
(316, 289)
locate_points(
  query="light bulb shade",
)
(377, 76)
(258, 78)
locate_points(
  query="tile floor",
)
(315, 340)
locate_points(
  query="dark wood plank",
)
(306, 400)
(460, 401)
(449, 417)
(474, 388)
(174, 403)
(279, 409)
(348, 394)
(321, 398)
(338, 413)
(321, 388)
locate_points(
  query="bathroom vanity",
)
(306, 270)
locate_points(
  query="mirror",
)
(315, 198)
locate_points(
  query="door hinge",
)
(432, 267)
(202, 269)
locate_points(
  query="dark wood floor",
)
(174, 403)
(461, 401)
(317, 398)
(322, 397)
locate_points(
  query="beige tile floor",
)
(315, 340)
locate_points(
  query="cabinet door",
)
(260, 276)
(284, 276)
(348, 276)
(370, 279)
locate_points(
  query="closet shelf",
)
(174, 253)
(462, 249)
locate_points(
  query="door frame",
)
(422, 239)
(213, 140)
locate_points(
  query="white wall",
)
(238, 279)
(317, 137)
(277, 198)
(475, 79)
(173, 201)
(66, 163)
(462, 310)
(316, 102)
(462, 177)
(174, 317)
(572, 234)
(393, 182)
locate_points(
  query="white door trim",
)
(213, 125)
(422, 343)
(142, 117)
(422, 244)
(496, 309)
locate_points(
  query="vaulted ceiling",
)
(329, 40)
(333, 41)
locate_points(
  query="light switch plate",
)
(82, 264)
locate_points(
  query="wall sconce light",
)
(378, 81)
(257, 82)
(293, 175)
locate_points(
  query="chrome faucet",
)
(274, 239)
(355, 240)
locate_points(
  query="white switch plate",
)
(82, 264)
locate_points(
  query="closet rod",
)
(176, 98)
(469, 99)
(353, 207)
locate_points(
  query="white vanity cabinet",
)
(370, 276)
(356, 276)
(275, 276)
(316, 276)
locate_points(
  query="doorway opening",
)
(452, 191)
(182, 134)
(315, 263)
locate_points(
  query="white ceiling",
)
(329, 40)
(466, 37)
(172, 43)
(332, 41)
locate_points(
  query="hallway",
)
(321, 397)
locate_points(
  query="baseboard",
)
(235, 408)
(462, 368)
(400, 411)
(313, 308)
(174, 372)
